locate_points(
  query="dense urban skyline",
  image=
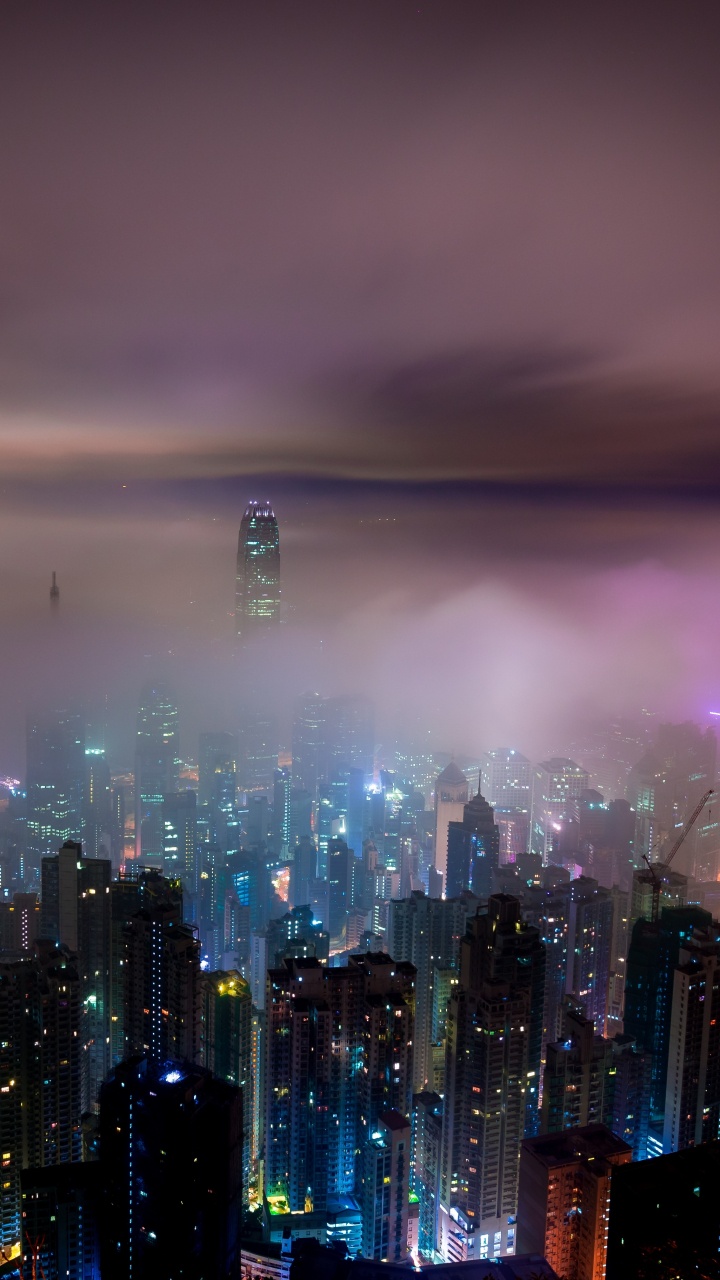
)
(359, 604)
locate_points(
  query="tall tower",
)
(493, 1051)
(156, 767)
(257, 581)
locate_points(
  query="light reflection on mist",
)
(460, 651)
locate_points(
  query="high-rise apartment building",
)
(227, 1042)
(653, 956)
(473, 850)
(76, 912)
(427, 1121)
(156, 768)
(494, 1037)
(171, 1169)
(665, 1216)
(338, 1054)
(556, 783)
(257, 579)
(451, 796)
(161, 1002)
(55, 782)
(427, 932)
(386, 1188)
(692, 1098)
(40, 1071)
(579, 1076)
(590, 923)
(564, 1200)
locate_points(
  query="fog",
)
(441, 282)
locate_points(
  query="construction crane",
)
(654, 868)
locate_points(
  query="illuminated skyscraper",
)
(55, 782)
(156, 768)
(257, 582)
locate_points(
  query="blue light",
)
(172, 1077)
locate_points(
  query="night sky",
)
(441, 281)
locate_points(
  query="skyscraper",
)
(564, 1200)
(427, 932)
(473, 850)
(257, 581)
(171, 1168)
(40, 1104)
(692, 1099)
(76, 913)
(494, 1035)
(451, 796)
(156, 767)
(338, 1053)
(556, 783)
(55, 782)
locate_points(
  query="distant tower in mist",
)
(54, 594)
(257, 583)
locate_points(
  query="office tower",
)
(349, 735)
(40, 1086)
(451, 796)
(76, 912)
(427, 1120)
(564, 1198)
(161, 967)
(280, 823)
(19, 922)
(427, 933)
(303, 871)
(61, 1227)
(171, 1167)
(259, 744)
(100, 837)
(494, 1035)
(506, 783)
(250, 878)
(666, 784)
(665, 1216)
(257, 580)
(631, 1094)
(506, 778)
(386, 1189)
(227, 1043)
(549, 910)
(342, 865)
(473, 850)
(653, 955)
(217, 771)
(338, 1053)
(590, 922)
(180, 838)
(579, 1076)
(55, 782)
(309, 752)
(692, 1098)
(556, 783)
(156, 767)
(619, 943)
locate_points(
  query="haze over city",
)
(455, 316)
